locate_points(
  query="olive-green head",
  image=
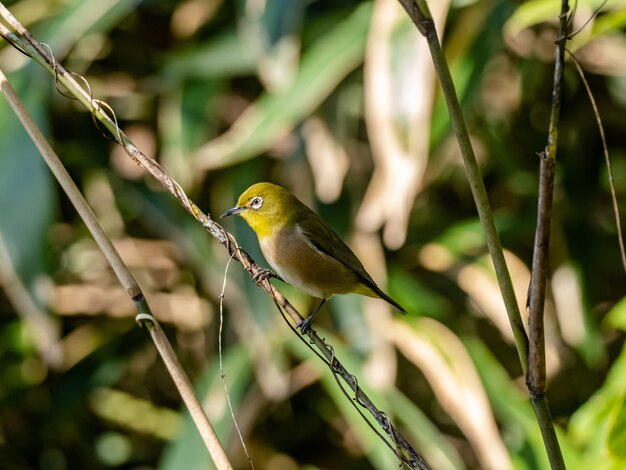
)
(265, 207)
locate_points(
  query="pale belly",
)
(305, 267)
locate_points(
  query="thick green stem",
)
(424, 23)
(123, 274)
(420, 15)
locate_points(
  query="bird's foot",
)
(306, 324)
(262, 274)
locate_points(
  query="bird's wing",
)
(321, 236)
(324, 238)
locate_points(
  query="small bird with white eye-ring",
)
(302, 248)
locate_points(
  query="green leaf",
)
(324, 66)
(418, 298)
(531, 13)
(27, 198)
(592, 423)
(616, 441)
(539, 11)
(616, 317)
(224, 56)
(80, 18)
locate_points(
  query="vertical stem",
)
(536, 377)
(424, 23)
(421, 17)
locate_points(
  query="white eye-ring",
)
(256, 202)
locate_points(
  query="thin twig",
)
(589, 20)
(405, 451)
(222, 373)
(536, 377)
(401, 447)
(26, 42)
(354, 401)
(607, 160)
(123, 274)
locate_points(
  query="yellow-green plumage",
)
(302, 247)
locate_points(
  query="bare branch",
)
(536, 377)
(25, 42)
(125, 277)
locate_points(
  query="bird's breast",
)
(305, 267)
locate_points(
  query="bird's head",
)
(265, 207)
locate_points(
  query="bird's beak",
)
(233, 211)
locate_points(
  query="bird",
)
(302, 248)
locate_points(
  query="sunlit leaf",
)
(616, 441)
(324, 65)
(616, 317)
(223, 56)
(79, 18)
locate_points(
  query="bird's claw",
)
(305, 325)
(263, 274)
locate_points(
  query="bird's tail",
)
(372, 290)
(385, 297)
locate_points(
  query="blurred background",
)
(338, 102)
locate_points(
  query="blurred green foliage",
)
(225, 94)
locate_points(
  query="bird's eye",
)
(256, 202)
